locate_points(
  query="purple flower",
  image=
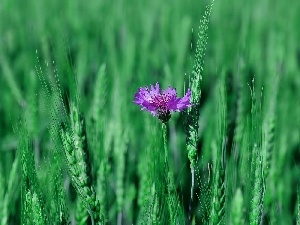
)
(161, 103)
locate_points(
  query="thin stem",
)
(120, 218)
(91, 215)
(192, 194)
(167, 171)
(164, 133)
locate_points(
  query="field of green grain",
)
(75, 149)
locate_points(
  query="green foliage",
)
(175, 210)
(237, 208)
(218, 151)
(76, 150)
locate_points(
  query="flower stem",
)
(92, 217)
(176, 213)
(167, 172)
(164, 133)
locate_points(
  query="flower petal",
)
(185, 101)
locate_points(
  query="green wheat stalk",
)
(58, 199)
(7, 196)
(3, 205)
(298, 188)
(32, 208)
(256, 160)
(73, 138)
(81, 215)
(237, 208)
(98, 135)
(218, 149)
(75, 148)
(151, 198)
(193, 112)
(172, 198)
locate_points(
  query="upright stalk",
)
(167, 171)
(164, 134)
(192, 193)
(193, 112)
(172, 198)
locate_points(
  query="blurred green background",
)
(141, 42)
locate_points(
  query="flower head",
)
(161, 103)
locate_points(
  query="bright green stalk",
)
(32, 206)
(99, 97)
(269, 121)
(37, 215)
(237, 208)
(81, 213)
(145, 173)
(172, 198)
(218, 195)
(218, 149)
(256, 203)
(3, 205)
(120, 140)
(98, 133)
(120, 150)
(77, 157)
(195, 81)
(154, 208)
(58, 212)
(164, 133)
(298, 191)
(33, 209)
(256, 161)
(168, 178)
(151, 197)
(11, 81)
(298, 208)
(193, 112)
(101, 184)
(11, 188)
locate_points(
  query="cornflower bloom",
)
(161, 103)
